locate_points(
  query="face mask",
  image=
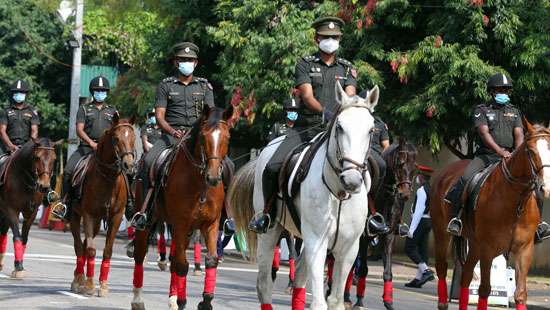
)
(502, 98)
(152, 120)
(100, 96)
(186, 68)
(292, 115)
(329, 46)
(19, 97)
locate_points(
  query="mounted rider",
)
(500, 129)
(19, 121)
(92, 119)
(315, 78)
(290, 109)
(150, 132)
(179, 104)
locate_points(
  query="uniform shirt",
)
(18, 122)
(379, 134)
(95, 120)
(419, 209)
(152, 133)
(277, 130)
(501, 121)
(183, 103)
(322, 77)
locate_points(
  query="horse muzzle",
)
(351, 180)
(213, 181)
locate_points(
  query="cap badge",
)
(100, 82)
(19, 84)
(331, 25)
(187, 50)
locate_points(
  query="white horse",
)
(328, 224)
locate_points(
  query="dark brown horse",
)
(504, 220)
(24, 184)
(104, 196)
(192, 199)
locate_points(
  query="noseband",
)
(38, 173)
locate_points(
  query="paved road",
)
(49, 263)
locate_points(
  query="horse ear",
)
(229, 115)
(372, 97)
(402, 141)
(527, 125)
(205, 111)
(340, 93)
(116, 118)
(132, 119)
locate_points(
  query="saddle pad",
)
(156, 172)
(475, 184)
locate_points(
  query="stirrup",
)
(403, 230)
(228, 227)
(139, 221)
(458, 221)
(52, 196)
(255, 218)
(376, 216)
(61, 213)
(542, 234)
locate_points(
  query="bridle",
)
(38, 173)
(117, 167)
(397, 165)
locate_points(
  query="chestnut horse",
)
(25, 183)
(104, 196)
(192, 199)
(504, 220)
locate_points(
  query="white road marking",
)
(72, 295)
(3, 276)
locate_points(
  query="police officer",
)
(179, 103)
(500, 129)
(150, 132)
(315, 78)
(19, 121)
(92, 119)
(290, 108)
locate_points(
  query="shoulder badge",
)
(169, 79)
(345, 62)
(310, 58)
(205, 81)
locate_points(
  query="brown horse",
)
(192, 199)
(104, 196)
(25, 182)
(503, 222)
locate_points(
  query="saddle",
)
(473, 187)
(158, 173)
(77, 181)
(5, 161)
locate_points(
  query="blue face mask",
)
(19, 97)
(292, 115)
(502, 98)
(100, 96)
(152, 120)
(186, 68)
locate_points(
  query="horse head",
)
(351, 130)
(123, 140)
(43, 160)
(537, 142)
(402, 162)
(214, 141)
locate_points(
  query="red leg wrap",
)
(79, 265)
(90, 262)
(173, 285)
(104, 272)
(482, 303)
(197, 253)
(292, 269)
(521, 307)
(349, 282)
(138, 275)
(266, 307)
(3, 243)
(463, 298)
(210, 281)
(442, 291)
(276, 258)
(182, 288)
(131, 233)
(19, 250)
(361, 284)
(172, 249)
(388, 292)
(161, 244)
(330, 269)
(298, 298)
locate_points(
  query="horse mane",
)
(541, 129)
(215, 116)
(390, 152)
(26, 151)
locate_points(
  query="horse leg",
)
(362, 273)
(264, 257)
(112, 229)
(300, 280)
(140, 250)
(387, 297)
(343, 268)
(179, 267)
(211, 265)
(485, 284)
(161, 248)
(523, 259)
(25, 232)
(315, 255)
(13, 220)
(3, 240)
(78, 280)
(441, 240)
(90, 225)
(467, 274)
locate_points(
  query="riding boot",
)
(138, 219)
(454, 197)
(269, 186)
(228, 227)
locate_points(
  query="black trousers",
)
(70, 167)
(417, 247)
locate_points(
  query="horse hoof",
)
(103, 289)
(197, 273)
(359, 308)
(204, 306)
(138, 305)
(173, 303)
(442, 306)
(163, 265)
(88, 288)
(78, 281)
(388, 305)
(288, 290)
(347, 305)
(18, 274)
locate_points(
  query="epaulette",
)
(345, 62)
(204, 81)
(169, 79)
(311, 58)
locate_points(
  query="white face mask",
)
(329, 45)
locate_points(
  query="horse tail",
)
(240, 200)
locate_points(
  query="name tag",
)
(315, 74)
(173, 93)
